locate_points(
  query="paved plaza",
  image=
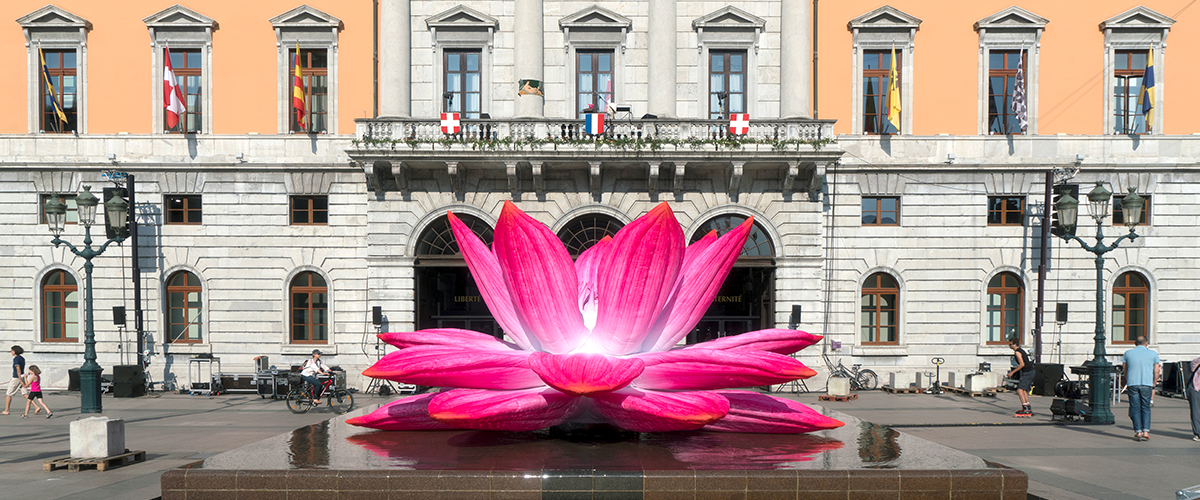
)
(1063, 461)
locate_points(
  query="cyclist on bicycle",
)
(309, 371)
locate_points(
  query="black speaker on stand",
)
(1060, 313)
(128, 381)
(1045, 377)
(383, 387)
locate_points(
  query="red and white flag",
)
(450, 123)
(172, 95)
(739, 123)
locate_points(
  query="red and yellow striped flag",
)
(298, 92)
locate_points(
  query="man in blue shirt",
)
(1142, 369)
(18, 371)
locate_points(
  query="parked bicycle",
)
(301, 396)
(860, 379)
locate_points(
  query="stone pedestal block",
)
(839, 386)
(976, 382)
(951, 379)
(922, 381)
(97, 437)
(900, 380)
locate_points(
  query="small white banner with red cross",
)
(739, 123)
(450, 123)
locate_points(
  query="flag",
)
(1019, 106)
(172, 96)
(593, 123)
(298, 92)
(50, 88)
(739, 123)
(893, 94)
(1146, 93)
(450, 124)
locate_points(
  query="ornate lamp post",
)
(1099, 370)
(116, 210)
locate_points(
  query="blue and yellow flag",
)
(50, 87)
(1146, 93)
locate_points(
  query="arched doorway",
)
(746, 302)
(446, 294)
(587, 230)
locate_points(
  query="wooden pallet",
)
(101, 464)
(893, 390)
(841, 399)
(964, 392)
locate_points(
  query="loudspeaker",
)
(119, 315)
(126, 373)
(1045, 377)
(1060, 312)
(377, 315)
(73, 379)
(128, 381)
(1175, 377)
(796, 310)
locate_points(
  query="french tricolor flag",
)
(593, 123)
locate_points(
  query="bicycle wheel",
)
(341, 401)
(867, 380)
(298, 402)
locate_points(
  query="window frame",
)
(881, 30)
(169, 291)
(879, 211)
(462, 28)
(1003, 291)
(882, 107)
(1142, 29)
(1004, 212)
(729, 29)
(310, 209)
(1120, 286)
(1118, 218)
(1007, 75)
(1133, 93)
(311, 29)
(1011, 29)
(459, 97)
(66, 199)
(307, 73)
(52, 28)
(60, 72)
(727, 76)
(310, 290)
(180, 28)
(186, 210)
(594, 56)
(182, 73)
(65, 291)
(879, 291)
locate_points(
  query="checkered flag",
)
(1019, 105)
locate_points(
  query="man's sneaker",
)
(1023, 412)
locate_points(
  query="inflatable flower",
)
(594, 340)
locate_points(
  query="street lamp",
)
(1099, 370)
(116, 210)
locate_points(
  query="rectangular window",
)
(314, 72)
(463, 80)
(1006, 210)
(310, 210)
(877, 66)
(186, 65)
(594, 92)
(1119, 215)
(1128, 69)
(67, 199)
(726, 83)
(1002, 82)
(61, 64)
(879, 211)
(183, 209)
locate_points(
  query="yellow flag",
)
(50, 88)
(894, 94)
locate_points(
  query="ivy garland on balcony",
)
(598, 142)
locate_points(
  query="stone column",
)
(395, 58)
(795, 60)
(663, 48)
(529, 52)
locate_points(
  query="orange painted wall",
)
(946, 54)
(244, 67)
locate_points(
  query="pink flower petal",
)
(585, 374)
(753, 412)
(706, 369)
(698, 285)
(446, 337)
(457, 367)
(774, 340)
(650, 411)
(541, 280)
(406, 414)
(525, 410)
(486, 272)
(586, 266)
(636, 278)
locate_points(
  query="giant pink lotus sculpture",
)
(594, 340)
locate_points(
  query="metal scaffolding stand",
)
(381, 386)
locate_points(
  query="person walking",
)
(1193, 392)
(15, 386)
(1142, 369)
(33, 380)
(1023, 372)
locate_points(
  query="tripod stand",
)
(384, 387)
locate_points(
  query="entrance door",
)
(447, 297)
(744, 304)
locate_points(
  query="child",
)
(33, 380)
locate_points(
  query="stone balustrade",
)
(428, 130)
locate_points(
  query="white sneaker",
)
(1195, 438)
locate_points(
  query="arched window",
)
(310, 309)
(184, 308)
(60, 307)
(758, 244)
(1130, 316)
(1004, 299)
(587, 230)
(437, 239)
(880, 295)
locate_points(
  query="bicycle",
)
(301, 395)
(860, 379)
